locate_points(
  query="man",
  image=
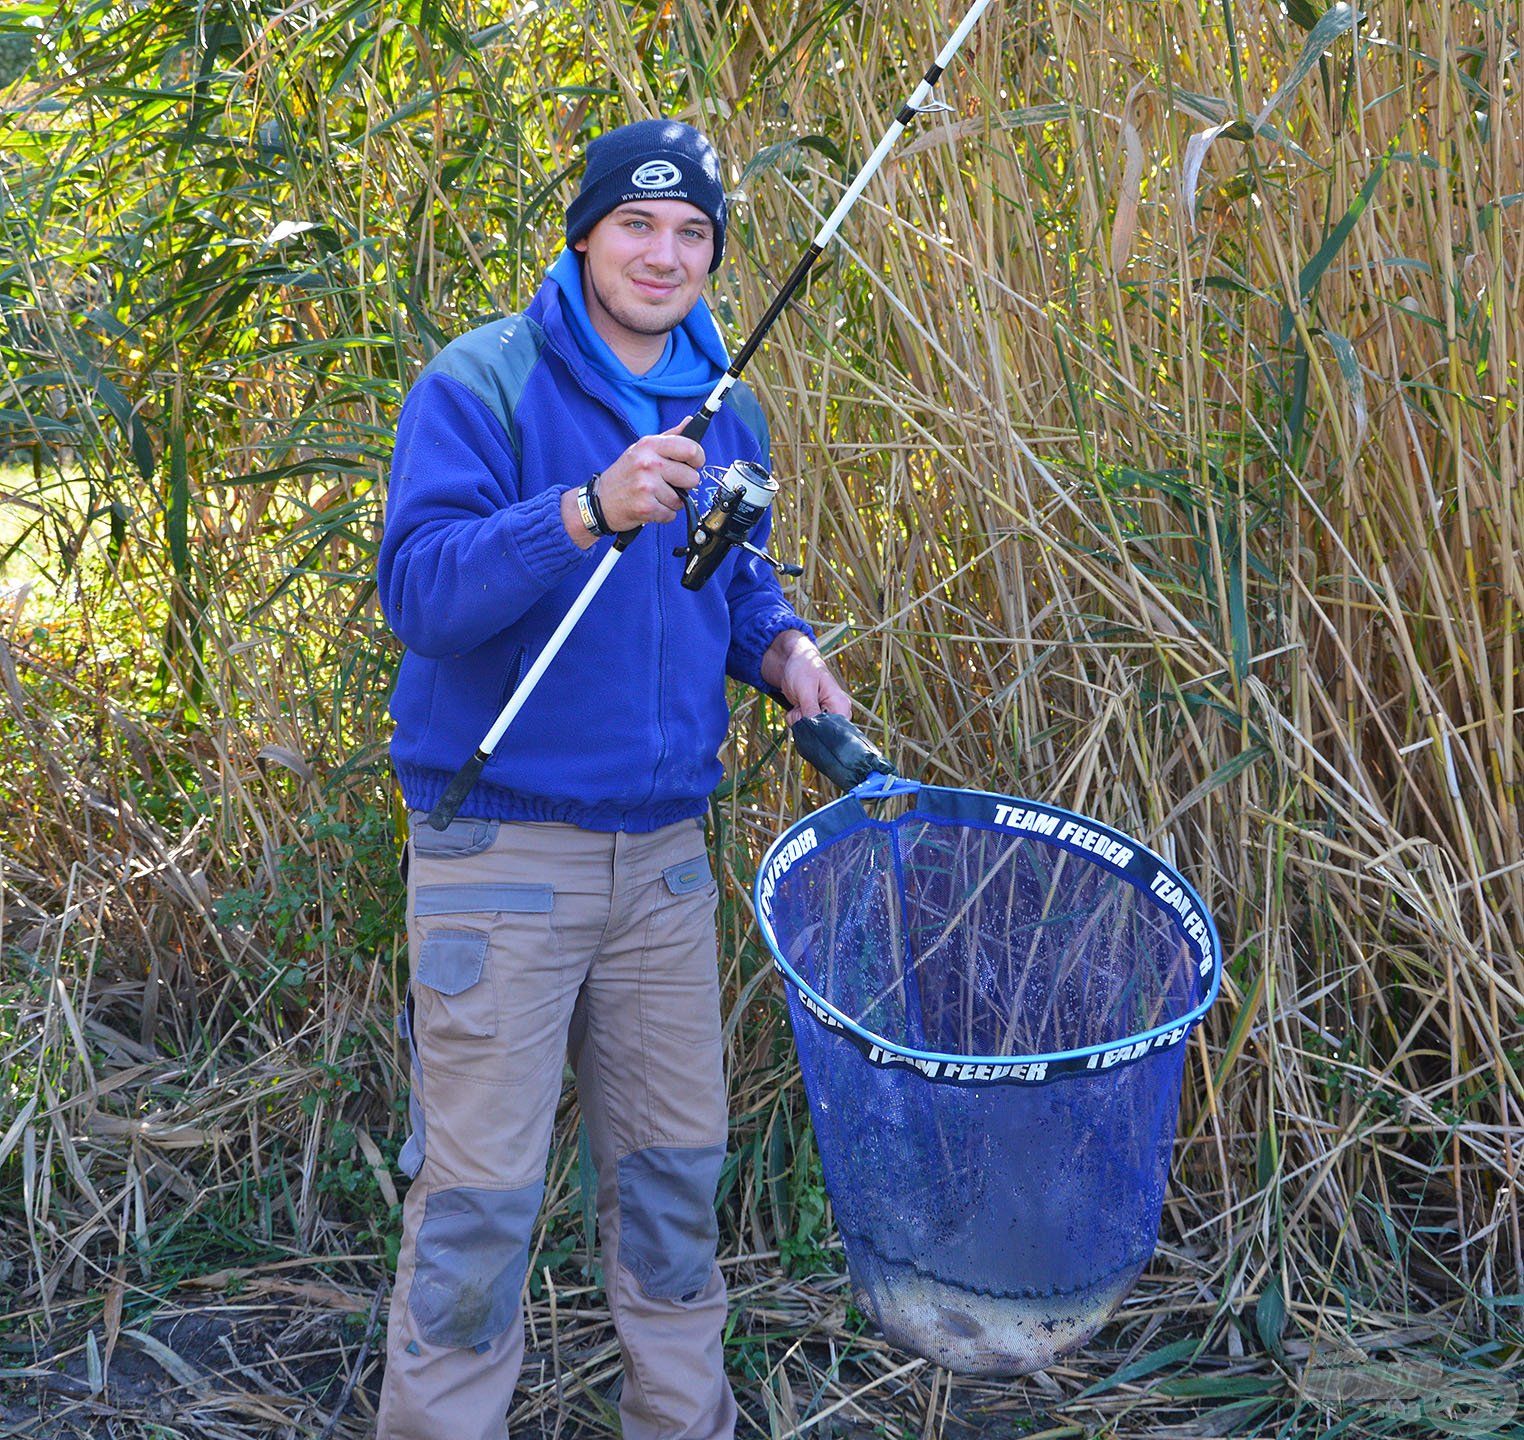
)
(569, 910)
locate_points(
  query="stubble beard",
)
(636, 323)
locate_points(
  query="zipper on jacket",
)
(661, 608)
(661, 685)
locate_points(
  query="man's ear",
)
(580, 246)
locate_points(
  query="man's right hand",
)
(643, 486)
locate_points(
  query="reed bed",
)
(1151, 443)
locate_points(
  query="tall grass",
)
(1150, 439)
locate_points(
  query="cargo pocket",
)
(474, 942)
(450, 965)
(679, 1007)
(460, 838)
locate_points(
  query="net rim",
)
(848, 814)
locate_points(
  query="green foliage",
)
(331, 895)
(804, 1248)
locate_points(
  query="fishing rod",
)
(741, 499)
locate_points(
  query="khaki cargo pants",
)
(531, 943)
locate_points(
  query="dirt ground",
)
(300, 1356)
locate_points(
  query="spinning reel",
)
(744, 495)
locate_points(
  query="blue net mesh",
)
(994, 1214)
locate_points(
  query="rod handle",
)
(695, 429)
(457, 790)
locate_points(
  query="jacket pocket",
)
(515, 673)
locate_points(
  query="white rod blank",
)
(525, 688)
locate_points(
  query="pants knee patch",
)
(472, 1252)
(667, 1226)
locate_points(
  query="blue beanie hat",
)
(649, 160)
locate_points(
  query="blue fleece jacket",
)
(477, 568)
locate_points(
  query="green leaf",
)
(1296, 410)
(177, 502)
(118, 517)
(1484, 216)
(1238, 1419)
(1171, 1354)
(1352, 375)
(1312, 271)
(16, 48)
(1468, 82)
(1265, 1163)
(1241, 1022)
(1270, 1316)
(1237, 287)
(401, 115)
(1333, 23)
(122, 412)
(803, 41)
(1227, 123)
(1238, 620)
(1209, 107)
(1030, 115)
(1235, 766)
(1219, 1385)
(771, 156)
(1389, 1231)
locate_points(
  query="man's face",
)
(646, 264)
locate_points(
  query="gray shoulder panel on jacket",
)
(749, 412)
(493, 362)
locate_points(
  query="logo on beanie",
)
(656, 175)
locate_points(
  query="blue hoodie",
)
(476, 570)
(687, 363)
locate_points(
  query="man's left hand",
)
(793, 665)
